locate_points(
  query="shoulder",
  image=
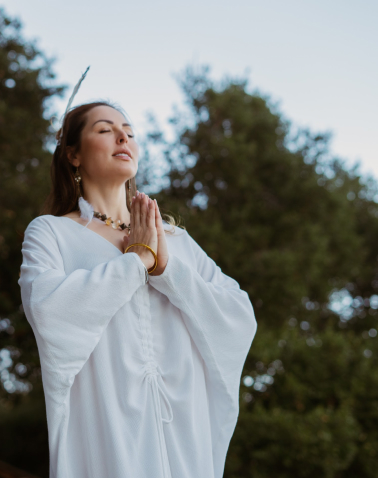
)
(173, 230)
(183, 236)
(40, 220)
(180, 237)
(186, 247)
(40, 243)
(41, 224)
(43, 219)
(73, 215)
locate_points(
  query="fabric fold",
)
(140, 380)
(221, 321)
(217, 312)
(55, 302)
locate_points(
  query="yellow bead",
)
(108, 221)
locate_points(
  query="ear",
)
(72, 157)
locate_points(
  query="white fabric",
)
(140, 380)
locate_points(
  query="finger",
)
(132, 213)
(151, 213)
(143, 210)
(137, 211)
(156, 212)
(159, 221)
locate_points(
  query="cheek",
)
(94, 147)
(135, 149)
(99, 142)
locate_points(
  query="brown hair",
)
(63, 197)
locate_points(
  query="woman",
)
(141, 359)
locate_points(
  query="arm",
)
(217, 313)
(68, 313)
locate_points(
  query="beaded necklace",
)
(109, 221)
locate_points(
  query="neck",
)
(109, 200)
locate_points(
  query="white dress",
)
(140, 380)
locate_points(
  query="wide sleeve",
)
(69, 312)
(218, 314)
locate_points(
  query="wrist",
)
(148, 261)
(160, 268)
(145, 254)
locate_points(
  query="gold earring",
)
(78, 180)
(128, 195)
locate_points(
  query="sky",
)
(317, 60)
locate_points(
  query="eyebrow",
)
(110, 122)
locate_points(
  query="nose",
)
(122, 137)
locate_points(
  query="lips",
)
(124, 154)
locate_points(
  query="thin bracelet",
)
(149, 248)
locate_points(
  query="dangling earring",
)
(128, 193)
(78, 180)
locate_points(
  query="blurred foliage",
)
(297, 230)
(26, 86)
(292, 224)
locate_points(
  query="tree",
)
(26, 88)
(291, 224)
(297, 230)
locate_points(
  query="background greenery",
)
(277, 212)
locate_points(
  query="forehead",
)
(105, 113)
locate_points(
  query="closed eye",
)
(105, 131)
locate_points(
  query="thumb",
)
(158, 220)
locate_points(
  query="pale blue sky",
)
(317, 59)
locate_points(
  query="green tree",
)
(26, 88)
(291, 224)
(297, 230)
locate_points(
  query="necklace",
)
(109, 221)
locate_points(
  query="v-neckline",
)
(96, 233)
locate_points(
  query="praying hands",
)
(147, 228)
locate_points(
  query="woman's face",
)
(108, 150)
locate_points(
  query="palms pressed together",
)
(147, 228)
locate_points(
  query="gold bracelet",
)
(148, 247)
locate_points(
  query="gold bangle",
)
(149, 248)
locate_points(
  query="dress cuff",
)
(174, 278)
(141, 267)
(165, 276)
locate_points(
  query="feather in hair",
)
(75, 90)
(86, 210)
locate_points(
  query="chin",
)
(127, 171)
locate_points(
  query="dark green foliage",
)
(26, 85)
(23, 431)
(270, 221)
(292, 225)
(25, 76)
